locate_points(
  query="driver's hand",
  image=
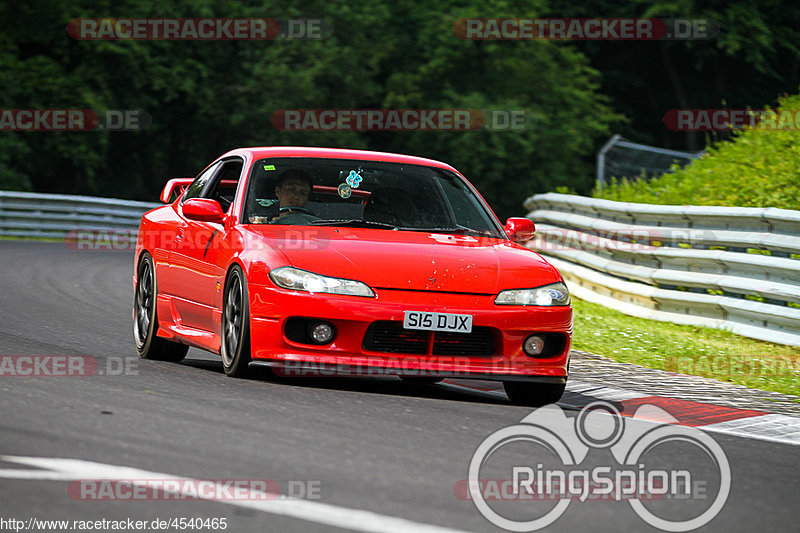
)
(280, 214)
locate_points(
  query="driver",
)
(293, 189)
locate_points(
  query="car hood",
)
(410, 260)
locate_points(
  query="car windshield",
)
(357, 193)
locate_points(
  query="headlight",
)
(302, 280)
(554, 294)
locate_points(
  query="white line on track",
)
(64, 469)
(771, 427)
(601, 392)
(579, 387)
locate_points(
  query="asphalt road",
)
(378, 445)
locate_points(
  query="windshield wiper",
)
(460, 230)
(355, 222)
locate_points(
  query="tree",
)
(753, 59)
(207, 97)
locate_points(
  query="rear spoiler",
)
(174, 185)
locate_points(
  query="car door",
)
(194, 269)
(167, 239)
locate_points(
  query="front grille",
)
(479, 342)
(390, 337)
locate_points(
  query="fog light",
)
(533, 345)
(321, 332)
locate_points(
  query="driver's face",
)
(293, 193)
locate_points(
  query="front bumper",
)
(271, 307)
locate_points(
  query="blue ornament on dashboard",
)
(354, 179)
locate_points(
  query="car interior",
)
(225, 184)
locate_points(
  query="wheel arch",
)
(236, 261)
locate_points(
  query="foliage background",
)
(208, 97)
(760, 168)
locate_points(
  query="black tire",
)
(235, 335)
(533, 394)
(421, 380)
(145, 318)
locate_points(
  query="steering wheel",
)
(295, 209)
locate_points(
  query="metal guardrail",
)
(731, 268)
(24, 214)
(623, 158)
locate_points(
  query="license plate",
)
(437, 321)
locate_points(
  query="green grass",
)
(757, 168)
(693, 350)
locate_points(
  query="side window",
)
(261, 197)
(226, 181)
(196, 188)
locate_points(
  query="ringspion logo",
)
(541, 459)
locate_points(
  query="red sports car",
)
(316, 261)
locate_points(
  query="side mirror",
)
(203, 209)
(520, 229)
